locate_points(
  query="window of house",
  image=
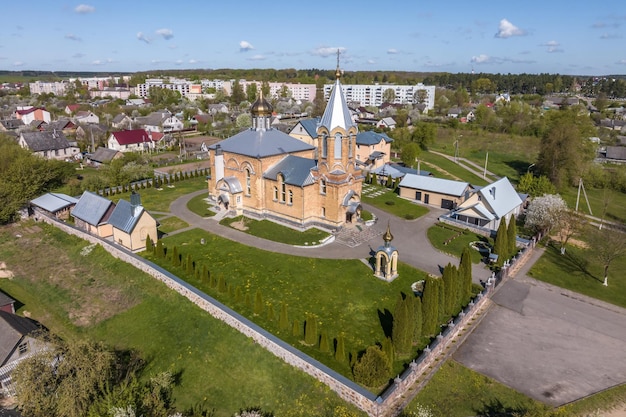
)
(23, 348)
(290, 201)
(275, 193)
(350, 146)
(283, 192)
(322, 186)
(323, 211)
(324, 146)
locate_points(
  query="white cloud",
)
(165, 33)
(96, 62)
(553, 47)
(621, 62)
(507, 29)
(328, 51)
(84, 9)
(72, 37)
(610, 36)
(18, 63)
(179, 62)
(142, 37)
(257, 57)
(245, 46)
(392, 51)
(481, 59)
(193, 61)
(78, 55)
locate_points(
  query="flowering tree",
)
(544, 212)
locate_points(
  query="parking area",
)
(548, 345)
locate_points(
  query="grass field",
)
(278, 233)
(452, 240)
(171, 224)
(457, 172)
(387, 200)
(343, 294)
(82, 293)
(616, 209)
(199, 205)
(579, 271)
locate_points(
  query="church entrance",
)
(223, 200)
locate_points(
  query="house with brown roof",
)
(49, 144)
(71, 109)
(7, 303)
(136, 140)
(29, 113)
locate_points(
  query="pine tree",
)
(212, 281)
(430, 309)
(465, 276)
(340, 351)
(238, 294)
(310, 330)
(149, 244)
(324, 345)
(389, 182)
(402, 330)
(372, 369)
(205, 274)
(284, 319)
(417, 319)
(258, 303)
(296, 329)
(368, 178)
(270, 312)
(388, 350)
(189, 264)
(500, 246)
(512, 237)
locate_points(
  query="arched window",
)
(283, 188)
(338, 146)
(322, 186)
(324, 146)
(290, 201)
(248, 181)
(275, 193)
(350, 146)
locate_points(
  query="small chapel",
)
(264, 173)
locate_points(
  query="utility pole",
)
(485, 171)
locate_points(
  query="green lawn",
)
(616, 210)
(579, 271)
(457, 391)
(342, 293)
(278, 233)
(160, 199)
(454, 169)
(171, 224)
(93, 295)
(199, 205)
(452, 240)
(389, 201)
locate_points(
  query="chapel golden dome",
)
(261, 107)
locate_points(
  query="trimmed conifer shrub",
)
(149, 244)
(402, 329)
(238, 294)
(512, 237)
(372, 369)
(417, 319)
(204, 275)
(212, 281)
(465, 276)
(296, 329)
(189, 264)
(270, 312)
(258, 303)
(501, 246)
(175, 257)
(283, 321)
(388, 350)
(340, 350)
(221, 284)
(310, 330)
(324, 345)
(430, 309)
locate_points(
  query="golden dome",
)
(261, 107)
(388, 237)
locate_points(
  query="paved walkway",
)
(409, 238)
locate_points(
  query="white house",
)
(132, 140)
(87, 117)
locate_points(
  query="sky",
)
(571, 37)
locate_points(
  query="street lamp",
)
(529, 167)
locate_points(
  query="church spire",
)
(337, 113)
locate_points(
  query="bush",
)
(372, 369)
(390, 203)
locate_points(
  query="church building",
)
(264, 173)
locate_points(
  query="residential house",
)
(616, 153)
(17, 343)
(386, 123)
(373, 149)
(121, 121)
(160, 121)
(131, 140)
(92, 213)
(132, 224)
(306, 131)
(103, 156)
(555, 102)
(363, 113)
(38, 125)
(53, 205)
(29, 113)
(49, 144)
(200, 118)
(7, 303)
(9, 125)
(438, 192)
(454, 112)
(87, 117)
(394, 171)
(62, 125)
(218, 108)
(138, 102)
(92, 134)
(70, 109)
(488, 205)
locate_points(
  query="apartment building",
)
(44, 87)
(372, 95)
